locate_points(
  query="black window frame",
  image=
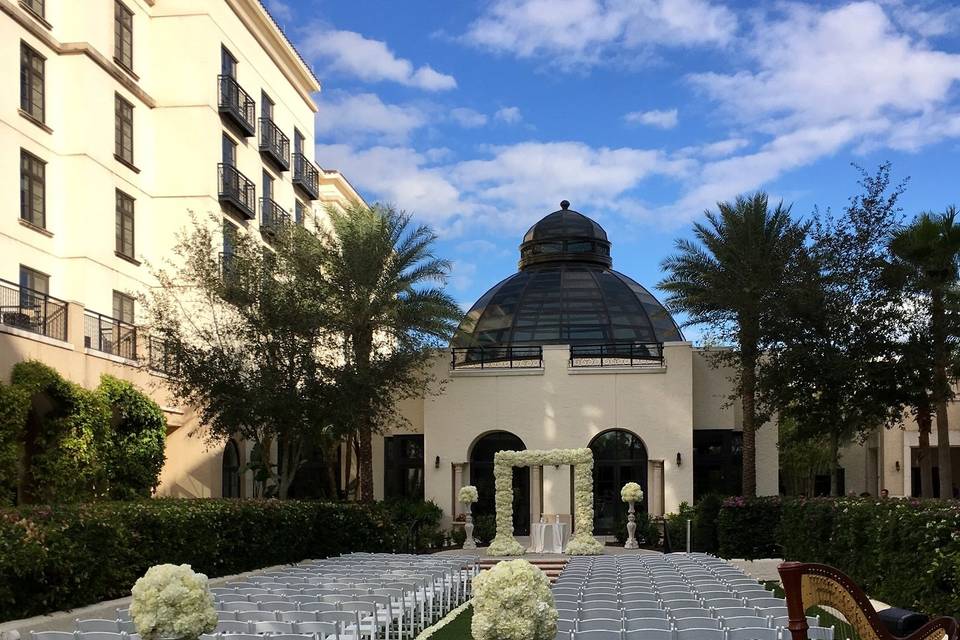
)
(231, 68)
(226, 142)
(266, 106)
(121, 303)
(299, 212)
(396, 466)
(122, 35)
(123, 129)
(28, 77)
(125, 222)
(30, 277)
(29, 184)
(298, 141)
(31, 6)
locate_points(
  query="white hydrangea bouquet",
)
(631, 492)
(513, 601)
(172, 601)
(468, 494)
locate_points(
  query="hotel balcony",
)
(274, 144)
(272, 216)
(109, 335)
(496, 357)
(237, 105)
(236, 190)
(617, 354)
(306, 175)
(34, 311)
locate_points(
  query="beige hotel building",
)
(119, 118)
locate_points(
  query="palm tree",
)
(389, 307)
(930, 248)
(729, 279)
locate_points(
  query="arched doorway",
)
(619, 457)
(230, 471)
(481, 476)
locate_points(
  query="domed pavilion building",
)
(570, 353)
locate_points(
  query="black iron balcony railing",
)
(158, 357)
(306, 175)
(109, 335)
(33, 311)
(272, 216)
(236, 104)
(617, 354)
(496, 358)
(236, 190)
(274, 143)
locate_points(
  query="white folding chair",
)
(97, 624)
(600, 624)
(649, 634)
(647, 623)
(699, 634)
(323, 630)
(271, 627)
(696, 623)
(753, 633)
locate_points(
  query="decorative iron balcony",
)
(236, 104)
(33, 311)
(306, 175)
(109, 335)
(617, 354)
(496, 358)
(236, 190)
(272, 217)
(274, 143)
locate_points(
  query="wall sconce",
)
(679, 459)
(896, 465)
(436, 463)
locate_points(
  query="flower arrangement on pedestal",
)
(631, 494)
(172, 601)
(468, 495)
(582, 542)
(513, 601)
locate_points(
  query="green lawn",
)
(459, 629)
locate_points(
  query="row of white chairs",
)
(688, 634)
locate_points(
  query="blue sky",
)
(479, 117)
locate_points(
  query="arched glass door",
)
(230, 471)
(481, 476)
(619, 457)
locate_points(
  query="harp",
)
(807, 584)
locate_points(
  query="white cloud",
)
(462, 275)
(662, 119)
(365, 115)
(931, 22)
(585, 32)
(718, 149)
(468, 117)
(280, 10)
(371, 60)
(510, 115)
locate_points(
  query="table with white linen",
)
(548, 537)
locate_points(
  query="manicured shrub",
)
(14, 403)
(66, 556)
(905, 552)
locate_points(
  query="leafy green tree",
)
(245, 332)
(832, 365)
(929, 247)
(385, 298)
(134, 450)
(802, 458)
(731, 280)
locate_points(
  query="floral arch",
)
(582, 541)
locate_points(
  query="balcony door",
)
(228, 64)
(229, 151)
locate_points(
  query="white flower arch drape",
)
(582, 541)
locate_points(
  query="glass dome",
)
(566, 293)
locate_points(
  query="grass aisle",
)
(456, 629)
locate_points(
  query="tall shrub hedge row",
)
(904, 552)
(65, 556)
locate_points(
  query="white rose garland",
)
(513, 601)
(172, 601)
(468, 494)
(631, 492)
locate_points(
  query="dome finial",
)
(564, 204)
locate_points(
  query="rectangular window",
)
(228, 64)
(35, 6)
(122, 307)
(299, 212)
(228, 150)
(124, 130)
(267, 186)
(229, 238)
(33, 189)
(31, 82)
(266, 106)
(403, 467)
(34, 280)
(297, 141)
(123, 35)
(125, 244)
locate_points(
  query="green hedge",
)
(65, 556)
(903, 552)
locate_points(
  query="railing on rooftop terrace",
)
(34, 311)
(617, 354)
(496, 358)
